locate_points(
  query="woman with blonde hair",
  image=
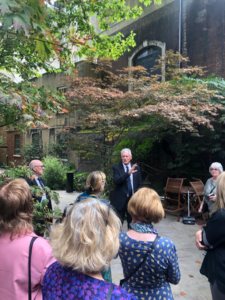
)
(16, 234)
(94, 186)
(149, 262)
(212, 238)
(84, 244)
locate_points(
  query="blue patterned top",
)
(62, 283)
(152, 279)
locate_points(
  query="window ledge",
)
(16, 155)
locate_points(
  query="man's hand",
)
(198, 239)
(132, 169)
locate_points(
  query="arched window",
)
(146, 55)
(147, 58)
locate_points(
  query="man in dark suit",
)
(127, 179)
(36, 166)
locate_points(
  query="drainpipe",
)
(180, 28)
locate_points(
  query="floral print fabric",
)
(151, 281)
(62, 283)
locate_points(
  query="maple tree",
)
(150, 110)
(34, 33)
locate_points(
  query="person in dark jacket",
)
(212, 239)
(127, 179)
(37, 167)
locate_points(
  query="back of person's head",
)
(16, 207)
(88, 239)
(220, 193)
(145, 206)
(95, 182)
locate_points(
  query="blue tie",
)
(129, 187)
(40, 181)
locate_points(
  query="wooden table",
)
(184, 191)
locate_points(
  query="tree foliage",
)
(143, 115)
(34, 33)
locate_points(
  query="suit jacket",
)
(119, 196)
(33, 182)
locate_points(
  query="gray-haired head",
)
(126, 150)
(216, 165)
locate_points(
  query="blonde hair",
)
(220, 193)
(95, 182)
(88, 239)
(16, 207)
(145, 206)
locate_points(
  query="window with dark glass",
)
(17, 145)
(36, 145)
(62, 149)
(147, 59)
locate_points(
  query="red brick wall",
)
(11, 147)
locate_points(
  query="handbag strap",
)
(144, 259)
(110, 292)
(29, 266)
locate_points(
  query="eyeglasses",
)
(40, 167)
(212, 169)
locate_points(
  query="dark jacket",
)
(213, 266)
(33, 182)
(119, 196)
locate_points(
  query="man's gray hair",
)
(216, 165)
(32, 165)
(126, 150)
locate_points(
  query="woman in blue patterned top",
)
(84, 244)
(151, 280)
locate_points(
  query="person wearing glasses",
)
(16, 233)
(210, 188)
(36, 166)
(84, 244)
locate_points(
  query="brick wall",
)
(12, 157)
(203, 37)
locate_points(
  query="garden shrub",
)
(80, 181)
(54, 173)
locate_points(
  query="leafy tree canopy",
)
(35, 32)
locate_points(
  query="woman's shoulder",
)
(162, 240)
(165, 242)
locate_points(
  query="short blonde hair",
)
(95, 182)
(220, 193)
(145, 206)
(16, 207)
(88, 239)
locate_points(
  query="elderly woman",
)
(16, 233)
(212, 238)
(84, 244)
(94, 187)
(149, 262)
(210, 188)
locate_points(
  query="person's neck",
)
(96, 276)
(214, 178)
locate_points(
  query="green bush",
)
(80, 181)
(54, 173)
